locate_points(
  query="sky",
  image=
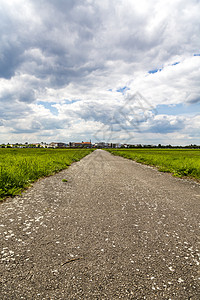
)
(124, 71)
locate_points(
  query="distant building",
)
(57, 145)
(101, 145)
(53, 145)
(80, 145)
(61, 145)
(86, 144)
(35, 145)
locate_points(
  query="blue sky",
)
(179, 109)
(122, 71)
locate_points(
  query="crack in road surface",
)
(125, 231)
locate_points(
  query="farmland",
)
(180, 162)
(20, 167)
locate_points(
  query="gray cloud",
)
(71, 34)
(16, 110)
(165, 125)
(56, 50)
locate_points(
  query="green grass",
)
(180, 162)
(64, 180)
(20, 167)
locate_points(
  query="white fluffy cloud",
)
(69, 69)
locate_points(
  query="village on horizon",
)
(97, 145)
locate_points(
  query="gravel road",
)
(115, 230)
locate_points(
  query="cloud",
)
(165, 124)
(176, 83)
(53, 53)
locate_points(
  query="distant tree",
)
(139, 145)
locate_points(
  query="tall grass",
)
(20, 167)
(180, 162)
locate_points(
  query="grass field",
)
(180, 162)
(20, 167)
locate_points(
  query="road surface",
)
(115, 230)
